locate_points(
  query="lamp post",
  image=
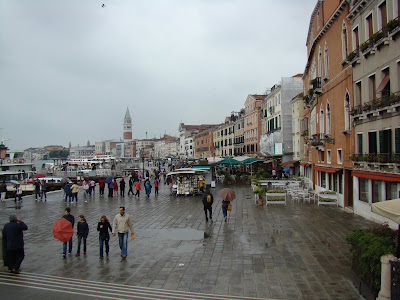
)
(142, 156)
(3, 152)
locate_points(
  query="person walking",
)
(225, 204)
(103, 227)
(156, 186)
(122, 184)
(68, 192)
(74, 191)
(130, 182)
(37, 189)
(71, 219)
(122, 224)
(138, 188)
(43, 189)
(208, 200)
(115, 188)
(86, 189)
(110, 188)
(148, 187)
(3, 191)
(14, 242)
(92, 185)
(18, 193)
(102, 185)
(82, 233)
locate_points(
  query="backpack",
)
(209, 199)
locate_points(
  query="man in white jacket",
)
(122, 224)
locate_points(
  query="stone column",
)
(384, 293)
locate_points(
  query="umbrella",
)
(65, 180)
(229, 161)
(389, 209)
(286, 170)
(13, 182)
(227, 194)
(62, 230)
(109, 179)
(36, 176)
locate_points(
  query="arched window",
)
(344, 41)
(320, 63)
(321, 120)
(313, 72)
(347, 112)
(326, 61)
(328, 118)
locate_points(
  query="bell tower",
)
(127, 134)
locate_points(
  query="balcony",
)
(379, 161)
(316, 85)
(382, 106)
(318, 140)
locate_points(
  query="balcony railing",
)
(319, 140)
(384, 101)
(377, 158)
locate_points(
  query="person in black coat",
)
(82, 233)
(71, 219)
(208, 200)
(14, 238)
(103, 227)
(122, 185)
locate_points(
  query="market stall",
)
(188, 181)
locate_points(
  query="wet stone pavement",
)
(297, 251)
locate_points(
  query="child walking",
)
(103, 227)
(83, 231)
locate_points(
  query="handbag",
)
(229, 207)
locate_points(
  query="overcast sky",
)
(69, 69)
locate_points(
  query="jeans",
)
(75, 196)
(65, 246)
(68, 196)
(156, 190)
(79, 244)
(122, 192)
(105, 241)
(123, 243)
(43, 193)
(37, 193)
(102, 191)
(137, 193)
(225, 210)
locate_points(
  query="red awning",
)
(326, 169)
(289, 162)
(376, 175)
(304, 164)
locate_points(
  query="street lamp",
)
(142, 156)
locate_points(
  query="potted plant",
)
(327, 197)
(396, 158)
(276, 197)
(355, 157)
(354, 111)
(394, 98)
(364, 46)
(382, 158)
(392, 24)
(260, 191)
(366, 106)
(377, 36)
(351, 56)
(380, 102)
(316, 143)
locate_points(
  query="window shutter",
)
(360, 143)
(397, 140)
(382, 148)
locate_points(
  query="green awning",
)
(202, 167)
(229, 161)
(252, 160)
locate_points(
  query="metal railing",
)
(376, 157)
